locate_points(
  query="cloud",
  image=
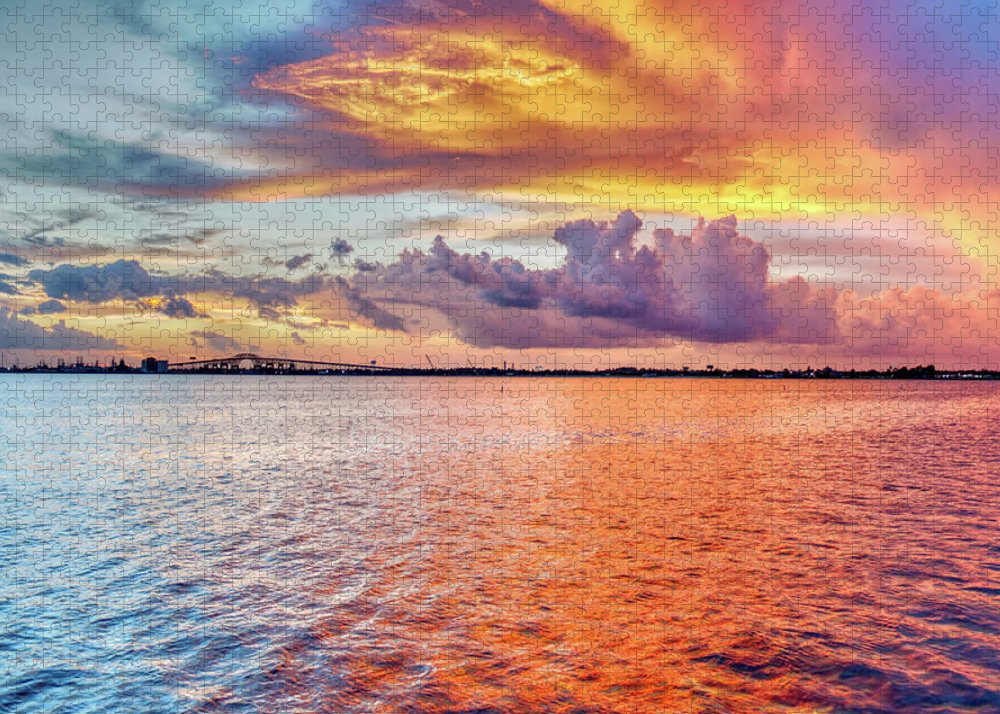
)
(710, 286)
(367, 309)
(918, 321)
(297, 261)
(191, 236)
(71, 158)
(340, 248)
(122, 279)
(49, 307)
(18, 334)
(38, 233)
(533, 99)
(179, 307)
(11, 259)
(129, 280)
(264, 291)
(217, 341)
(615, 287)
(272, 296)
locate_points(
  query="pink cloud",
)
(710, 286)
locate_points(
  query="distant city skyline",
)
(656, 184)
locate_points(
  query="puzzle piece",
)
(532, 355)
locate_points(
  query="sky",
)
(542, 182)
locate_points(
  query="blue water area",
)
(361, 544)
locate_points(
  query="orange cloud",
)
(788, 113)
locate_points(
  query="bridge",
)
(249, 362)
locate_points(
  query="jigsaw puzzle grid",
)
(527, 355)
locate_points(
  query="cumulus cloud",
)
(712, 285)
(613, 288)
(18, 334)
(122, 279)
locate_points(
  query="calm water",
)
(190, 544)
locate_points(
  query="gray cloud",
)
(49, 307)
(368, 309)
(11, 259)
(297, 261)
(18, 334)
(76, 159)
(38, 235)
(272, 296)
(123, 279)
(129, 280)
(178, 307)
(340, 248)
(262, 290)
(191, 236)
(218, 341)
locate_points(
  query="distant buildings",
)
(152, 365)
(257, 364)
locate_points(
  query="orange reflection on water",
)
(673, 545)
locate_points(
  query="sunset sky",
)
(543, 182)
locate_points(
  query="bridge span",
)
(250, 362)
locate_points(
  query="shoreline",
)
(827, 374)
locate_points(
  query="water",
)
(276, 544)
